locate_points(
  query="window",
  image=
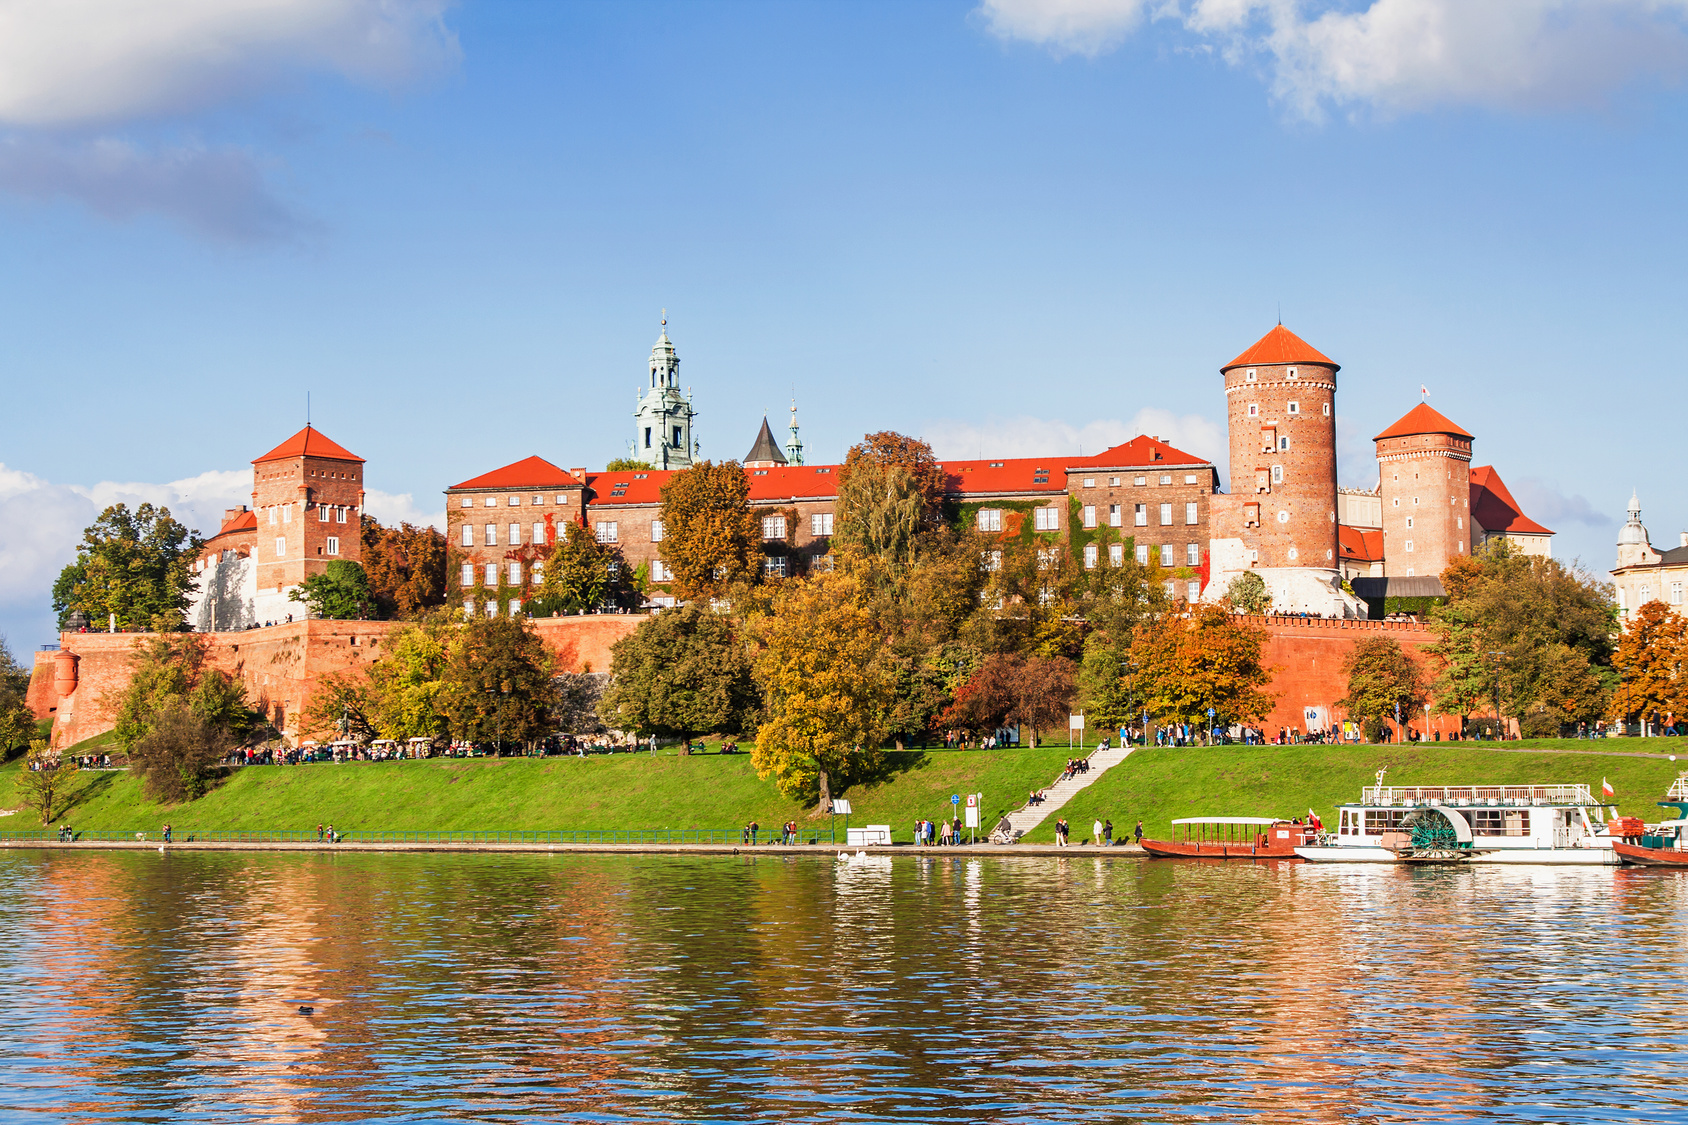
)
(1142, 554)
(1171, 588)
(468, 574)
(647, 437)
(515, 574)
(1293, 553)
(1166, 515)
(1250, 377)
(1293, 408)
(287, 514)
(468, 502)
(515, 501)
(1166, 558)
(1283, 444)
(1189, 478)
(1166, 478)
(1193, 590)
(1277, 474)
(1293, 374)
(1459, 522)
(678, 444)
(1409, 546)
(332, 545)
(1646, 595)
(1327, 410)
(1046, 519)
(492, 574)
(490, 502)
(536, 573)
(492, 609)
(1090, 515)
(1116, 554)
(1409, 522)
(340, 516)
(1192, 554)
(468, 535)
(538, 500)
(1090, 482)
(468, 605)
(656, 531)
(820, 523)
(1113, 515)
(515, 606)
(322, 513)
(1254, 410)
(992, 560)
(538, 534)
(1283, 516)
(1140, 517)
(990, 519)
(492, 535)
(1090, 553)
(1047, 558)
(773, 527)
(774, 566)
(1140, 481)
(515, 534)
(605, 531)
(1113, 482)
(1192, 515)
(1415, 501)
(660, 571)
(1676, 593)
(1396, 502)
(280, 546)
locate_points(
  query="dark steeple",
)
(765, 454)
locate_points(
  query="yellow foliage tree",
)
(1204, 659)
(1650, 657)
(828, 686)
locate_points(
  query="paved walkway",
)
(1027, 817)
(769, 851)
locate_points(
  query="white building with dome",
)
(1644, 573)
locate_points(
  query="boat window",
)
(1379, 821)
(1500, 822)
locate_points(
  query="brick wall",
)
(1282, 427)
(1426, 501)
(1308, 654)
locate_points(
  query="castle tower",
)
(1424, 465)
(1281, 514)
(663, 420)
(307, 495)
(794, 444)
(764, 451)
(1635, 546)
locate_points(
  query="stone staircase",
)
(1027, 817)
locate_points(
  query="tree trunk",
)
(826, 795)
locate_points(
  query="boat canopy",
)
(1258, 820)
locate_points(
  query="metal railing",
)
(805, 836)
(1477, 795)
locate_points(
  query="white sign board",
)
(872, 834)
(840, 807)
(972, 814)
(1075, 722)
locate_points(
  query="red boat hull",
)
(1650, 857)
(1269, 849)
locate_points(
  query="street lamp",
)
(1497, 658)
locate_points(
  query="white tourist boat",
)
(1558, 824)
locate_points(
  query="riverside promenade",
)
(769, 850)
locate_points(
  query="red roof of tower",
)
(308, 442)
(1360, 544)
(530, 472)
(1281, 346)
(1493, 507)
(1422, 420)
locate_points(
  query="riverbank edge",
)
(770, 850)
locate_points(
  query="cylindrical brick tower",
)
(1281, 410)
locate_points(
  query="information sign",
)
(1075, 722)
(955, 798)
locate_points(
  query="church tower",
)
(663, 421)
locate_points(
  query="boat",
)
(1464, 824)
(1664, 844)
(1232, 837)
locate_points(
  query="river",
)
(945, 987)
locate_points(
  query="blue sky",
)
(1024, 226)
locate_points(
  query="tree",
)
(827, 686)
(1203, 658)
(710, 535)
(1650, 657)
(177, 755)
(627, 465)
(17, 721)
(1033, 693)
(340, 592)
(170, 672)
(1384, 682)
(1130, 599)
(1247, 594)
(46, 782)
(888, 449)
(580, 573)
(881, 513)
(405, 567)
(134, 566)
(684, 672)
(578, 696)
(401, 698)
(497, 683)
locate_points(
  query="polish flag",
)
(1423, 390)
(1606, 789)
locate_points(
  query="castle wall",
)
(1307, 655)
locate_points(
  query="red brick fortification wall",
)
(281, 666)
(1308, 655)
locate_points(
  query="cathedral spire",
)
(794, 444)
(662, 432)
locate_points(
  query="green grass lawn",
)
(1160, 784)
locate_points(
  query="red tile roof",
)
(1493, 507)
(1142, 452)
(770, 485)
(1360, 544)
(308, 442)
(1048, 474)
(1280, 346)
(530, 472)
(1422, 420)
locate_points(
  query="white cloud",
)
(76, 62)
(400, 507)
(1038, 437)
(1395, 56)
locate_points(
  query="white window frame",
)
(491, 535)
(331, 545)
(773, 528)
(468, 575)
(492, 574)
(1089, 515)
(515, 573)
(281, 546)
(515, 535)
(1277, 474)
(1140, 515)
(468, 535)
(606, 531)
(322, 513)
(990, 519)
(1090, 555)
(773, 566)
(1166, 556)
(1166, 515)
(1046, 519)
(1116, 554)
(1142, 554)
(1192, 513)
(656, 531)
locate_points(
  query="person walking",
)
(1060, 831)
(1139, 833)
(1107, 833)
(1096, 833)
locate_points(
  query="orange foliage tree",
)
(1650, 656)
(710, 536)
(1203, 658)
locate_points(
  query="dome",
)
(1633, 533)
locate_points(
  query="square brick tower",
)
(307, 494)
(1424, 461)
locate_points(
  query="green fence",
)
(360, 836)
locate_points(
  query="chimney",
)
(236, 513)
(578, 474)
(1683, 538)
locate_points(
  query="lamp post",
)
(1497, 657)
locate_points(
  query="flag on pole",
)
(1423, 391)
(1606, 789)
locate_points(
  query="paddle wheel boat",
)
(1664, 844)
(1232, 837)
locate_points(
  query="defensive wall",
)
(1307, 654)
(281, 666)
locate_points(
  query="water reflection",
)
(943, 987)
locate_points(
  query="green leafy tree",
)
(17, 721)
(403, 695)
(881, 513)
(340, 592)
(1128, 600)
(711, 539)
(173, 671)
(134, 566)
(1247, 594)
(497, 683)
(178, 755)
(1383, 681)
(580, 573)
(682, 673)
(405, 567)
(626, 465)
(46, 783)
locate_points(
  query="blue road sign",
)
(955, 798)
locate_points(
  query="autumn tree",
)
(171, 671)
(17, 721)
(684, 672)
(1247, 593)
(1651, 656)
(578, 574)
(1384, 682)
(405, 567)
(497, 682)
(893, 450)
(1033, 693)
(826, 684)
(404, 687)
(1200, 659)
(46, 782)
(339, 592)
(1129, 599)
(135, 566)
(710, 536)
(176, 758)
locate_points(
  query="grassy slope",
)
(1160, 784)
(620, 791)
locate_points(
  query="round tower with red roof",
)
(1424, 467)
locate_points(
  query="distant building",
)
(1643, 572)
(499, 524)
(663, 421)
(1496, 515)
